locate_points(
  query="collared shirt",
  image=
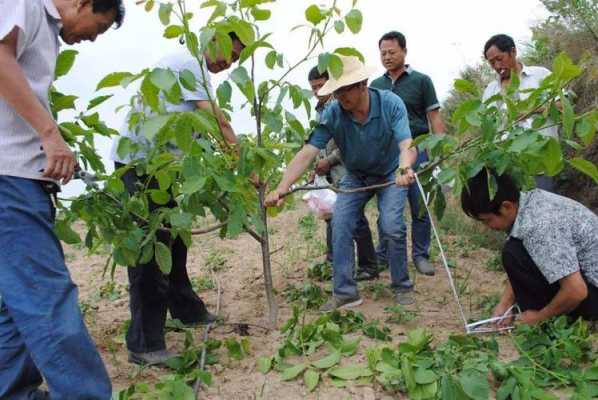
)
(531, 78)
(38, 23)
(560, 235)
(371, 148)
(177, 63)
(418, 93)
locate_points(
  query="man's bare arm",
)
(408, 156)
(436, 123)
(573, 290)
(227, 129)
(296, 168)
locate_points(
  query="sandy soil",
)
(238, 268)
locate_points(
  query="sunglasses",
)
(342, 90)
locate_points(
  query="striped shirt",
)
(38, 23)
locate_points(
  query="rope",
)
(442, 256)
(474, 327)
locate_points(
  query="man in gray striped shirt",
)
(41, 329)
(551, 254)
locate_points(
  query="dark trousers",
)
(366, 253)
(151, 293)
(532, 290)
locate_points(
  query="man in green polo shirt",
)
(417, 92)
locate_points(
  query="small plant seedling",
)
(398, 315)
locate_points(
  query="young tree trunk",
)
(266, 262)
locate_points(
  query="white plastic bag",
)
(320, 202)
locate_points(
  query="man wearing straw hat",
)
(371, 129)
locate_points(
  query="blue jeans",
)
(41, 328)
(421, 228)
(366, 253)
(347, 212)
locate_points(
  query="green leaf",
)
(350, 373)
(260, 14)
(241, 78)
(164, 180)
(474, 384)
(349, 347)
(61, 102)
(164, 13)
(224, 93)
(188, 81)
(293, 372)
(465, 86)
(193, 185)
(245, 31)
(585, 166)
(354, 19)
(66, 233)
(163, 78)
(264, 364)
(271, 59)
(152, 126)
(160, 197)
(97, 101)
(115, 185)
(205, 37)
(448, 388)
(350, 51)
(314, 14)
(586, 130)
(339, 26)
(552, 157)
(591, 374)
(163, 257)
(328, 361)
(113, 79)
(323, 62)
(335, 66)
(424, 376)
(235, 350)
(568, 117)
(506, 389)
(181, 220)
(149, 5)
(64, 62)
(311, 379)
(150, 94)
(564, 68)
(173, 31)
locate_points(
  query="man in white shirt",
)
(42, 333)
(151, 293)
(501, 54)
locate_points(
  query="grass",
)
(202, 283)
(216, 261)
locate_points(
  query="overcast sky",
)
(442, 38)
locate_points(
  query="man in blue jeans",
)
(42, 333)
(417, 91)
(330, 164)
(371, 129)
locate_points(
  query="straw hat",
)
(353, 71)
